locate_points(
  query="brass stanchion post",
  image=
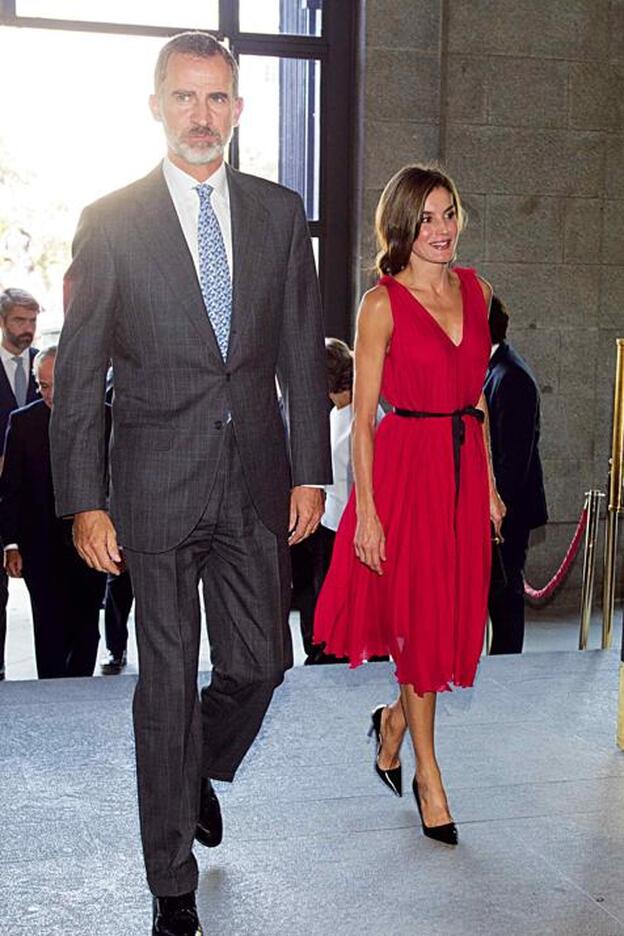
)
(592, 505)
(614, 507)
(608, 581)
(620, 714)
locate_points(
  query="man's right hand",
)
(95, 538)
(13, 563)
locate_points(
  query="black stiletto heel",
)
(447, 834)
(393, 777)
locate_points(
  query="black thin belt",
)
(457, 427)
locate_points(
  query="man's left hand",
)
(307, 506)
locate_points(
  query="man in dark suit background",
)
(65, 594)
(513, 402)
(199, 283)
(118, 601)
(18, 324)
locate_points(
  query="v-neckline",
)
(434, 319)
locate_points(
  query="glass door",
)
(88, 95)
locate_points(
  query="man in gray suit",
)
(198, 282)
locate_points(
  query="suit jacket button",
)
(228, 376)
(218, 424)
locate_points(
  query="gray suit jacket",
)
(133, 298)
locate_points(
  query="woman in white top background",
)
(312, 557)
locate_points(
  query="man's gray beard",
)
(22, 343)
(195, 155)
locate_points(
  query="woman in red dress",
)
(411, 562)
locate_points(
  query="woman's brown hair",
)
(399, 213)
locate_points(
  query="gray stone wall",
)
(523, 102)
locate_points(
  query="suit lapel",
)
(249, 219)
(498, 356)
(32, 392)
(5, 389)
(161, 230)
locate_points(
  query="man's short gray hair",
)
(199, 44)
(11, 298)
(43, 355)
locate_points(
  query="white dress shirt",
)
(337, 494)
(182, 188)
(10, 366)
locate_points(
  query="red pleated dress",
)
(429, 608)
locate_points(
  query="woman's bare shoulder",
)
(375, 311)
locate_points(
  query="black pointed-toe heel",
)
(392, 778)
(447, 833)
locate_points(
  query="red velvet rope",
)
(538, 594)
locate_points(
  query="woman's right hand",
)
(370, 542)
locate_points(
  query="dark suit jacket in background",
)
(138, 287)
(27, 515)
(65, 594)
(8, 403)
(514, 409)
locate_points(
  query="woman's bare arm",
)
(374, 330)
(497, 508)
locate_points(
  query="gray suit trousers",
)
(245, 573)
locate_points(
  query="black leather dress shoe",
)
(209, 831)
(176, 916)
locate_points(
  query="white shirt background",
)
(337, 494)
(10, 365)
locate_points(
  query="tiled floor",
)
(314, 844)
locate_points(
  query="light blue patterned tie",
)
(21, 383)
(214, 273)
